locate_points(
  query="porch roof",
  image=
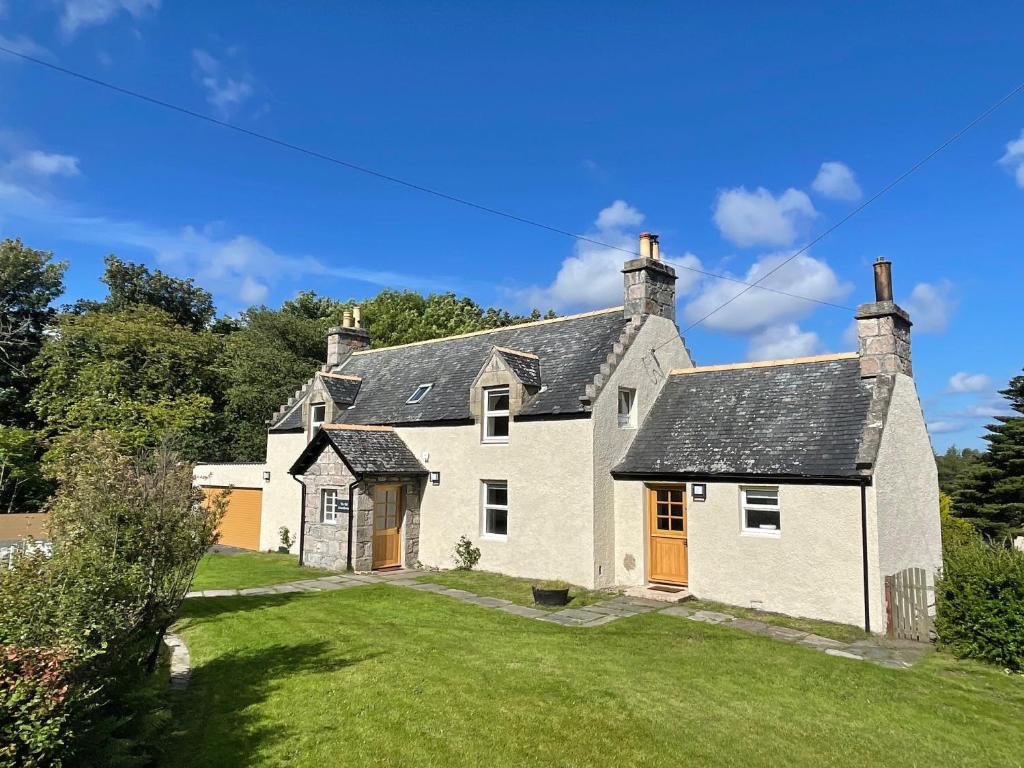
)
(366, 450)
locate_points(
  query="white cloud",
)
(850, 337)
(78, 14)
(757, 309)
(238, 269)
(25, 45)
(931, 306)
(1014, 158)
(968, 382)
(778, 342)
(759, 218)
(591, 277)
(836, 181)
(225, 92)
(44, 164)
(940, 426)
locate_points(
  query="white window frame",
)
(338, 507)
(488, 414)
(486, 507)
(744, 506)
(313, 424)
(421, 391)
(627, 420)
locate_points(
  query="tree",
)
(953, 465)
(30, 281)
(262, 364)
(22, 485)
(136, 373)
(991, 495)
(130, 285)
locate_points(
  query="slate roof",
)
(342, 391)
(526, 367)
(804, 419)
(366, 451)
(570, 350)
(290, 421)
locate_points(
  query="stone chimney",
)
(349, 337)
(649, 283)
(883, 329)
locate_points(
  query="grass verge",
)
(250, 569)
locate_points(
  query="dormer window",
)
(419, 394)
(317, 416)
(496, 415)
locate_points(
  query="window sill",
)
(494, 441)
(761, 534)
(328, 522)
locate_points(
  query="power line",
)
(916, 166)
(378, 174)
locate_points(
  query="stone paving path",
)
(895, 655)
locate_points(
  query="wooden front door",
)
(666, 550)
(387, 526)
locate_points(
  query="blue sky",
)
(737, 133)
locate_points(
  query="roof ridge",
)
(765, 363)
(491, 330)
(360, 427)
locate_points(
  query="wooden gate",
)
(907, 605)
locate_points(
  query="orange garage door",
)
(241, 524)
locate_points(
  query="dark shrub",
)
(980, 603)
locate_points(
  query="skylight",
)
(420, 393)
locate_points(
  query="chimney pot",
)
(346, 319)
(357, 316)
(645, 245)
(655, 248)
(883, 279)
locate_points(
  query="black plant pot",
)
(283, 550)
(550, 596)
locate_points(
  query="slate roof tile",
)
(366, 451)
(804, 419)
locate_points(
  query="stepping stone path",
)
(894, 655)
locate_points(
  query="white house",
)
(589, 448)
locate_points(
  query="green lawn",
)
(510, 588)
(250, 569)
(388, 676)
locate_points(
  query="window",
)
(496, 415)
(419, 394)
(317, 415)
(331, 506)
(495, 509)
(761, 511)
(627, 408)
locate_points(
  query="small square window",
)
(496, 415)
(419, 394)
(495, 523)
(761, 515)
(627, 408)
(332, 506)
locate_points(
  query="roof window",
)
(419, 394)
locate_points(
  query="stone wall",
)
(325, 545)
(883, 333)
(650, 288)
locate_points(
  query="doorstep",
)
(663, 593)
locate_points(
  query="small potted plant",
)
(287, 540)
(550, 595)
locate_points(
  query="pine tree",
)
(992, 494)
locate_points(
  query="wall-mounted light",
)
(435, 478)
(266, 476)
(699, 491)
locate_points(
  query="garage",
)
(241, 524)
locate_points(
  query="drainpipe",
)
(302, 520)
(864, 553)
(351, 521)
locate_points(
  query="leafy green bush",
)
(980, 603)
(466, 555)
(955, 530)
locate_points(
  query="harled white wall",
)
(548, 467)
(813, 569)
(906, 489)
(282, 496)
(655, 351)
